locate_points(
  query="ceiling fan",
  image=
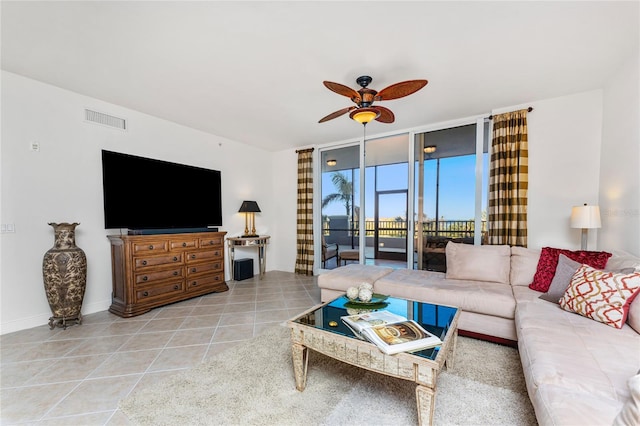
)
(365, 111)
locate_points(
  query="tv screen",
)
(142, 193)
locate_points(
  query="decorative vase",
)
(64, 269)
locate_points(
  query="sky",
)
(456, 189)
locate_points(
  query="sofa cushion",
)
(561, 280)
(351, 275)
(478, 263)
(600, 295)
(432, 287)
(558, 348)
(549, 261)
(524, 262)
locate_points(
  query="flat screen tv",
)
(145, 194)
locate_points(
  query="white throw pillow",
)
(478, 263)
(623, 260)
(630, 413)
(633, 318)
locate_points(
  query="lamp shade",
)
(249, 207)
(585, 217)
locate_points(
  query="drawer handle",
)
(193, 269)
(145, 278)
(175, 258)
(176, 287)
(151, 247)
(210, 243)
(144, 262)
(146, 293)
(217, 278)
(193, 256)
(194, 283)
(175, 273)
(184, 244)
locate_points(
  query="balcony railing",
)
(398, 229)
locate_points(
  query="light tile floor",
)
(77, 376)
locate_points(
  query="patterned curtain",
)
(508, 179)
(304, 241)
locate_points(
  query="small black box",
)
(242, 269)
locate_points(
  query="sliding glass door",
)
(340, 198)
(386, 200)
(399, 211)
(450, 191)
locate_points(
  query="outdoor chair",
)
(329, 251)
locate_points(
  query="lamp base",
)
(584, 239)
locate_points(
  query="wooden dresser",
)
(154, 270)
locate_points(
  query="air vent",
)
(105, 119)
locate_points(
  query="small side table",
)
(259, 242)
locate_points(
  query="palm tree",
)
(344, 194)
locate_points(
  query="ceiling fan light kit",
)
(364, 112)
(364, 115)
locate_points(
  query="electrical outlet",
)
(34, 146)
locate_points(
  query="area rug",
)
(253, 384)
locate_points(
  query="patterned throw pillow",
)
(549, 262)
(600, 295)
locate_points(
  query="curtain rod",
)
(528, 110)
(298, 151)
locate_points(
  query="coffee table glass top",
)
(436, 319)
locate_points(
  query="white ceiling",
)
(253, 71)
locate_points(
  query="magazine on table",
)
(390, 332)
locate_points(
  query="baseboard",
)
(43, 319)
(492, 339)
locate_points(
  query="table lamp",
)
(585, 217)
(249, 208)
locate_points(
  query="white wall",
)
(63, 183)
(620, 161)
(285, 184)
(564, 162)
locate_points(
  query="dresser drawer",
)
(150, 247)
(211, 242)
(149, 261)
(198, 256)
(163, 291)
(182, 244)
(215, 265)
(198, 283)
(152, 276)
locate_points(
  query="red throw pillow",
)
(549, 261)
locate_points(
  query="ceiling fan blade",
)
(343, 90)
(386, 116)
(336, 114)
(400, 90)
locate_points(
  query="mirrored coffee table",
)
(321, 329)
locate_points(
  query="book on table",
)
(390, 332)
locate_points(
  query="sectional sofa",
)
(578, 370)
